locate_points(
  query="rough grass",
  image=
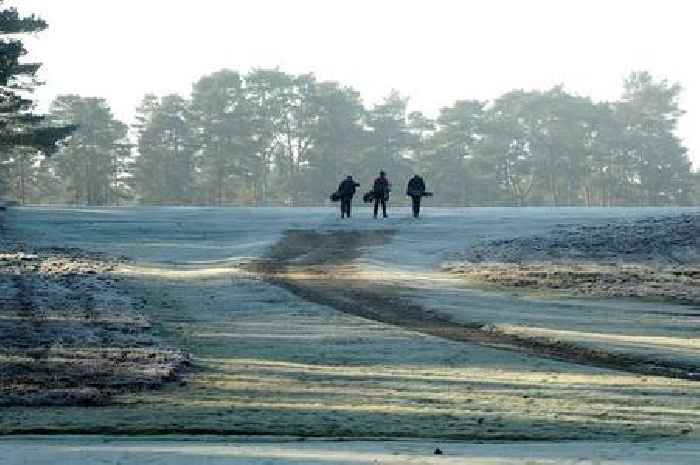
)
(655, 258)
(70, 336)
(270, 363)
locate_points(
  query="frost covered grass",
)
(640, 280)
(69, 335)
(661, 348)
(644, 258)
(270, 362)
(186, 450)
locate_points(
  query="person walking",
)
(381, 190)
(346, 191)
(416, 190)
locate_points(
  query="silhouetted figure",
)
(381, 190)
(346, 191)
(416, 190)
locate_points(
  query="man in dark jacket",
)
(416, 190)
(346, 190)
(381, 190)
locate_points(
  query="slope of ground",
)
(269, 362)
(617, 267)
(646, 258)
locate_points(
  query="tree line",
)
(273, 138)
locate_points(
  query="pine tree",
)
(92, 162)
(163, 172)
(19, 126)
(221, 115)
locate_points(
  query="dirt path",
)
(318, 267)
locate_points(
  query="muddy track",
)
(318, 268)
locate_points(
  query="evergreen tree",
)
(21, 173)
(649, 113)
(338, 140)
(267, 93)
(222, 119)
(389, 141)
(92, 162)
(19, 126)
(505, 152)
(163, 171)
(453, 147)
(49, 187)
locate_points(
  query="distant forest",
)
(273, 138)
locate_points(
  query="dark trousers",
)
(377, 201)
(345, 207)
(416, 205)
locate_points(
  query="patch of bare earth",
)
(70, 335)
(319, 268)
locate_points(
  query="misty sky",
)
(434, 51)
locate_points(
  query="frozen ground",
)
(271, 362)
(70, 334)
(267, 451)
(198, 235)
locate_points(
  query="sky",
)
(434, 52)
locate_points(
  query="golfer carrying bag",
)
(416, 190)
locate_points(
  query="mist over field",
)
(372, 232)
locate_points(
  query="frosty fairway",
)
(271, 362)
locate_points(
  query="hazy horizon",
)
(434, 54)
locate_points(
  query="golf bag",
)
(419, 193)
